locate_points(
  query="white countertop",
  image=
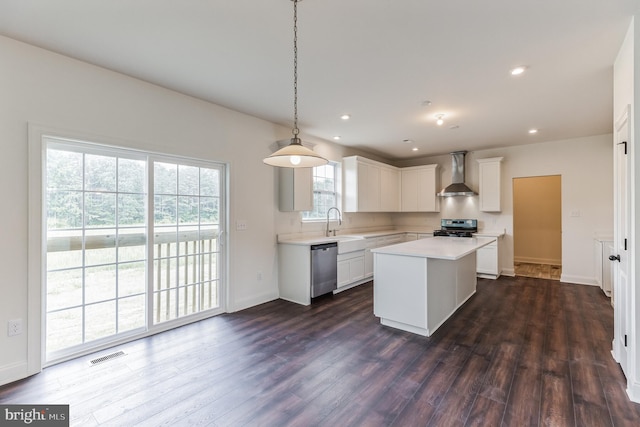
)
(315, 240)
(442, 247)
(319, 239)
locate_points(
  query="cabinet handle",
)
(614, 258)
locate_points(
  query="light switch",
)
(241, 225)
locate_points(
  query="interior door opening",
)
(537, 226)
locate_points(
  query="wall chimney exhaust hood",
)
(457, 187)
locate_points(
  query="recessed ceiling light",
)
(518, 70)
(452, 127)
(532, 131)
(414, 149)
(426, 103)
(407, 141)
(337, 137)
(440, 119)
(345, 117)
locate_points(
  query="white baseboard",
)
(633, 391)
(579, 280)
(13, 372)
(508, 272)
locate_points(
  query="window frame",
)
(337, 194)
(37, 229)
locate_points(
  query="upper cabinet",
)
(489, 182)
(296, 189)
(389, 189)
(419, 186)
(370, 186)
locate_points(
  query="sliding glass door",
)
(132, 242)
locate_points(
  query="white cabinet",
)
(376, 242)
(370, 186)
(389, 186)
(350, 268)
(419, 186)
(488, 261)
(489, 172)
(294, 271)
(296, 189)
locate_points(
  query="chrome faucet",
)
(339, 220)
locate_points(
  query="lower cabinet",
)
(487, 261)
(350, 268)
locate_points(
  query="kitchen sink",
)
(348, 243)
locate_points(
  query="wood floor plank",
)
(523, 405)
(556, 402)
(485, 412)
(497, 383)
(521, 352)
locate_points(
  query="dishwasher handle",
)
(324, 246)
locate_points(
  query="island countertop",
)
(440, 247)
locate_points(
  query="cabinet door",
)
(427, 199)
(356, 269)
(487, 259)
(368, 188)
(368, 263)
(296, 189)
(343, 273)
(389, 190)
(419, 188)
(489, 183)
(409, 193)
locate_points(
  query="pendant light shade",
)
(295, 155)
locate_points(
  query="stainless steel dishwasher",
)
(324, 268)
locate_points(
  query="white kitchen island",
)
(418, 285)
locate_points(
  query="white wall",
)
(586, 167)
(52, 90)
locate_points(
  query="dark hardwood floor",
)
(521, 352)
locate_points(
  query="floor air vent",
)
(106, 358)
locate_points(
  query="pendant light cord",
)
(295, 69)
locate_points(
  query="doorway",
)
(537, 226)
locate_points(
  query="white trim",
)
(633, 391)
(579, 280)
(35, 322)
(14, 372)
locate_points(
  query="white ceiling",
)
(377, 60)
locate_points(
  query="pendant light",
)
(295, 155)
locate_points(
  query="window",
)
(132, 241)
(326, 183)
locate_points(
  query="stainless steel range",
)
(457, 227)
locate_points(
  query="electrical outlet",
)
(14, 327)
